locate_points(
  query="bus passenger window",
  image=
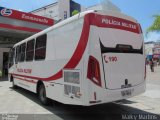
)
(40, 49)
(22, 53)
(17, 54)
(11, 57)
(30, 50)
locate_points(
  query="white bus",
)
(92, 58)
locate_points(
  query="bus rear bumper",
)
(119, 94)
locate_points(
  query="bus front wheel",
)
(42, 95)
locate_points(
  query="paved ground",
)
(150, 100)
(145, 106)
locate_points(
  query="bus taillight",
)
(94, 71)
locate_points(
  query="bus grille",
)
(71, 91)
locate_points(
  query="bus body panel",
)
(107, 96)
(122, 67)
(122, 74)
(70, 46)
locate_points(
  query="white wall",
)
(50, 11)
(64, 7)
(56, 11)
(105, 6)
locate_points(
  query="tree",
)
(155, 27)
(75, 12)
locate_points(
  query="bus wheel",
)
(42, 95)
(13, 84)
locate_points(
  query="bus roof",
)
(75, 17)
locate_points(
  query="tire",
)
(42, 95)
(13, 84)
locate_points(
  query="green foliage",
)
(75, 12)
(0, 73)
(155, 27)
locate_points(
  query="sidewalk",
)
(153, 75)
(150, 100)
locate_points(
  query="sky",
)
(142, 10)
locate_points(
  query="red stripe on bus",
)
(115, 23)
(75, 59)
(77, 56)
(19, 28)
(31, 81)
(89, 20)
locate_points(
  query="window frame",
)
(17, 54)
(38, 48)
(24, 52)
(12, 56)
(33, 50)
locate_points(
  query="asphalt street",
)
(26, 105)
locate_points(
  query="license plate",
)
(127, 92)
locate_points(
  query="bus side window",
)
(30, 50)
(11, 57)
(40, 48)
(22, 53)
(17, 54)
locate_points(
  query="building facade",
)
(156, 50)
(152, 50)
(60, 10)
(64, 9)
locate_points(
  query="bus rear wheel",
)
(42, 95)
